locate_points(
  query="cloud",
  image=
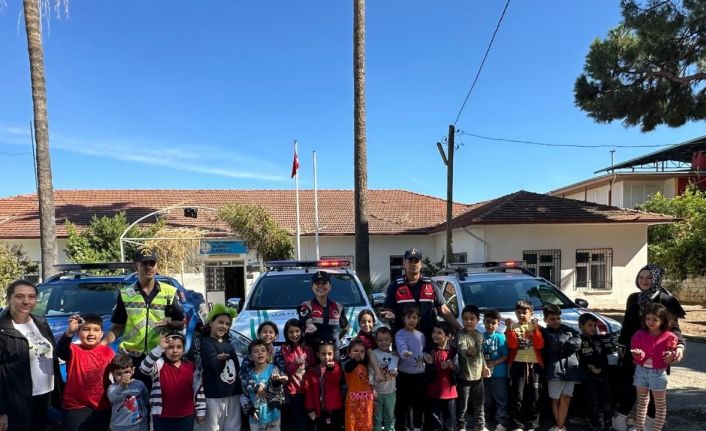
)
(412, 179)
(203, 159)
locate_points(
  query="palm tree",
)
(45, 190)
(360, 162)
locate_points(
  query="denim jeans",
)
(470, 392)
(496, 389)
(442, 415)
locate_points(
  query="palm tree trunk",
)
(45, 190)
(360, 158)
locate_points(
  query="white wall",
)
(629, 244)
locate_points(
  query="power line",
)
(480, 68)
(544, 144)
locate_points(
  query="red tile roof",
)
(524, 207)
(390, 211)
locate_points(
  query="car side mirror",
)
(581, 303)
(234, 303)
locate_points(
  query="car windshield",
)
(66, 299)
(503, 294)
(289, 291)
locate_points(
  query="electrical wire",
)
(544, 144)
(482, 63)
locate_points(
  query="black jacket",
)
(15, 376)
(593, 352)
(561, 361)
(633, 316)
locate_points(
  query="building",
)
(668, 171)
(585, 248)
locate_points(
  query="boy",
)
(593, 358)
(525, 343)
(323, 399)
(128, 397)
(562, 363)
(262, 389)
(472, 369)
(441, 389)
(495, 354)
(86, 405)
(384, 384)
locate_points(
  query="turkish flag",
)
(295, 164)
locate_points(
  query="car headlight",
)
(240, 343)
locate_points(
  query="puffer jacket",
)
(561, 361)
(15, 375)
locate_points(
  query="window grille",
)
(594, 269)
(545, 264)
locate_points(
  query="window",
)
(449, 292)
(545, 264)
(594, 269)
(396, 267)
(288, 291)
(459, 257)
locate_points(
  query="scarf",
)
(647, 296)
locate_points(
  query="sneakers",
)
(500, 427)
(619, 423)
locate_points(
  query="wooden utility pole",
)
(449, 192)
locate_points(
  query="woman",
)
(649, 283)
(321, 317)
(29, 368)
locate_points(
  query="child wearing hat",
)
(221, 372)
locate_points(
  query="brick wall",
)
(690, 291)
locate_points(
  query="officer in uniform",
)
(414, 289)
(142, 311)
(321, 318)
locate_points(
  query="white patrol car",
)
(277, 293)
(499, 285)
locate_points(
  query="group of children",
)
(393, 381)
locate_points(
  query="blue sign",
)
(209, 247)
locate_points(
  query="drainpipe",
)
(610, 190)
(485, 243)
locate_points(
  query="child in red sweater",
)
(323, 400)
(441, 389)
(85, 400)
(298, 358)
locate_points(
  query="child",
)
(221, 372)
(441, 389)
(86, 405)
(128, 397)
(177, 396)
(297, 357)
(322, 389)
(360, 394)
(262, 390)
(593, 358)
(495, 355)
(525, 343)
(653, 349)
(387, 359)
(366, 323)
(561, 363)
(472, 369)
(410, 378)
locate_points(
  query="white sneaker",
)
(619, 422)
(500, 427)
(518, 429)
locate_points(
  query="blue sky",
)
(183, 94)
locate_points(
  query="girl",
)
(441, 390)
(410, 377)
(366, 322)
(177, 395)
(267, 332)
(653, 348)
(360, 396)
(297, 359)
(323, 400)
(221, 376)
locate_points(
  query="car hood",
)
(247, 321)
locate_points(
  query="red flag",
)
(295, 164)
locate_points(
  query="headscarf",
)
(647, 296)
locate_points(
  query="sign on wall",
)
(212, 247)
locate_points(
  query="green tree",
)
(259, 231)
(100, 241)
(679, 247)
(14, 264)
(650, 69)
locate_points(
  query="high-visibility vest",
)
(140, 336)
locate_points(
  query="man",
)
(143, 310)
(419, 291)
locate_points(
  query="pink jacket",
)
(653, 347)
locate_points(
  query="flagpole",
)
(316, 209)
(296, 188)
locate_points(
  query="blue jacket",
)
(561, 361)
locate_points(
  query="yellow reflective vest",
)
(140, 336)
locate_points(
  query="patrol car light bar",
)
(324, 263)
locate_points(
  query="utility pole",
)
(449, 162)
